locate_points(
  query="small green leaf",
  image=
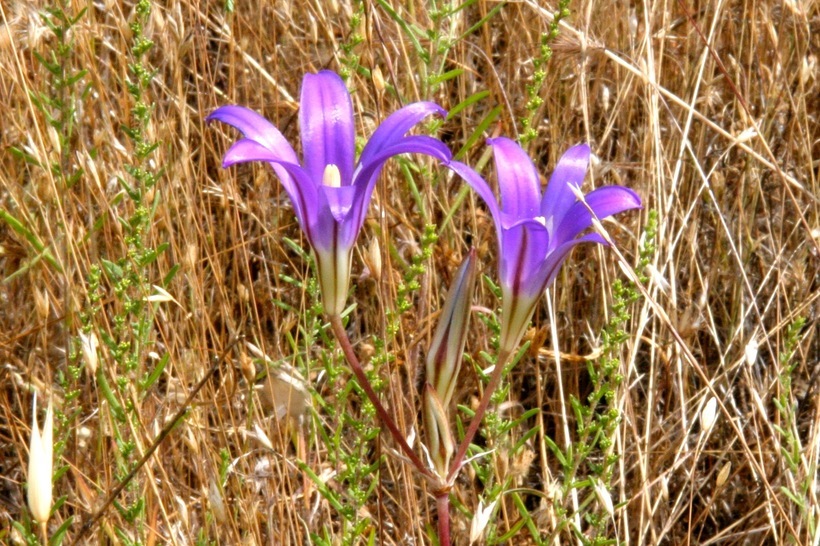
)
(469, 101)
(108, 394)
(449, 75)
(557, 451)
(113, 270)
(166, 280)
(479, 131)
(155, 373)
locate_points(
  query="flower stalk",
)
(350, 355)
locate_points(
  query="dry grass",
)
(722, 140)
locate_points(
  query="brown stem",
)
(495, 379)
(353, 361)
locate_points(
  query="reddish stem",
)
(443, 513)
(350, 355)
(495, 379)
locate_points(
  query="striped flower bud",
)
(443, 364)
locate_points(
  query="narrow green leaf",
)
(156, 372)
(321, 486)
(25, 156)
(469, 101)
(34, 241)
(557, 451)
(479, 131)
(58, 535)
(425, 56)
(446, 76)
(478, 25)
(108, 394)
(166, 280)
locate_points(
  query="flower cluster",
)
(330, 193)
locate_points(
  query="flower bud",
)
(447, 348)
(40, 466)
(436, 424)
(88, 346)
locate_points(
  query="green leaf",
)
(479, 131)
(425, 56)
(58, 535)
(166, 280)
(469, 101)
(483, 20)
(34, 241)
(25, 156)
(321, 486)
(76, 77)
(557, 451)
(525, 438)
(155, 373)
(113, 270)
(108, 394)
(794, 498)
(296, 247)
(446, 76)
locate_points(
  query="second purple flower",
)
(330, 192)
(535, 233)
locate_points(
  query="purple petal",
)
(297, 183)
(330, 218)
(326, 124)
(518, 180)
(255, 127)
(393, 129)
(604, 201)
(245, 150)
(552, 265)
(481, 188)
(367, 173)
(328, 222)
(559, 197)
(340, 200)
(319, 218)
(523, 250)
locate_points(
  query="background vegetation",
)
(118, 225)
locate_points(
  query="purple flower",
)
(535, 233)
(329, 191)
